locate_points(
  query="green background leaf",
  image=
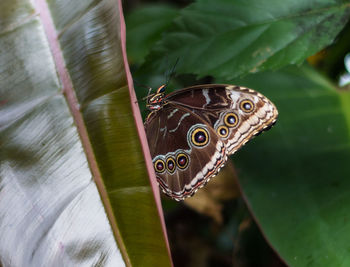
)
(146, 26)
(295, 177)
(231, 38)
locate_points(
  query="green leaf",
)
(227, 38)
(74, 190)
(296, 176)
(145, 27)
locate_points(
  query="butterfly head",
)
(155, 101)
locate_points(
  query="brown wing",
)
(186, 151)
(235, 113)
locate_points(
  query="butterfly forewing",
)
(196, 128)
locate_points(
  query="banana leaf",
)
(74, 186)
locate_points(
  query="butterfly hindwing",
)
(185, 149)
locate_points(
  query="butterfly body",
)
(192, 131)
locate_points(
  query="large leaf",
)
(296, 176)
(70, 150)
(227, 38)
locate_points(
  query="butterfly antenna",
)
(171, 74)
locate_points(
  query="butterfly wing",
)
(186, 151)
(235, 113)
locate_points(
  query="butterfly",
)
(192, 131)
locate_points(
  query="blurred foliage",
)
(294, 178)
(330, 60)
(145, 27)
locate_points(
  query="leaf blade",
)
(299, 198)
(44, 143)
(247, 36)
